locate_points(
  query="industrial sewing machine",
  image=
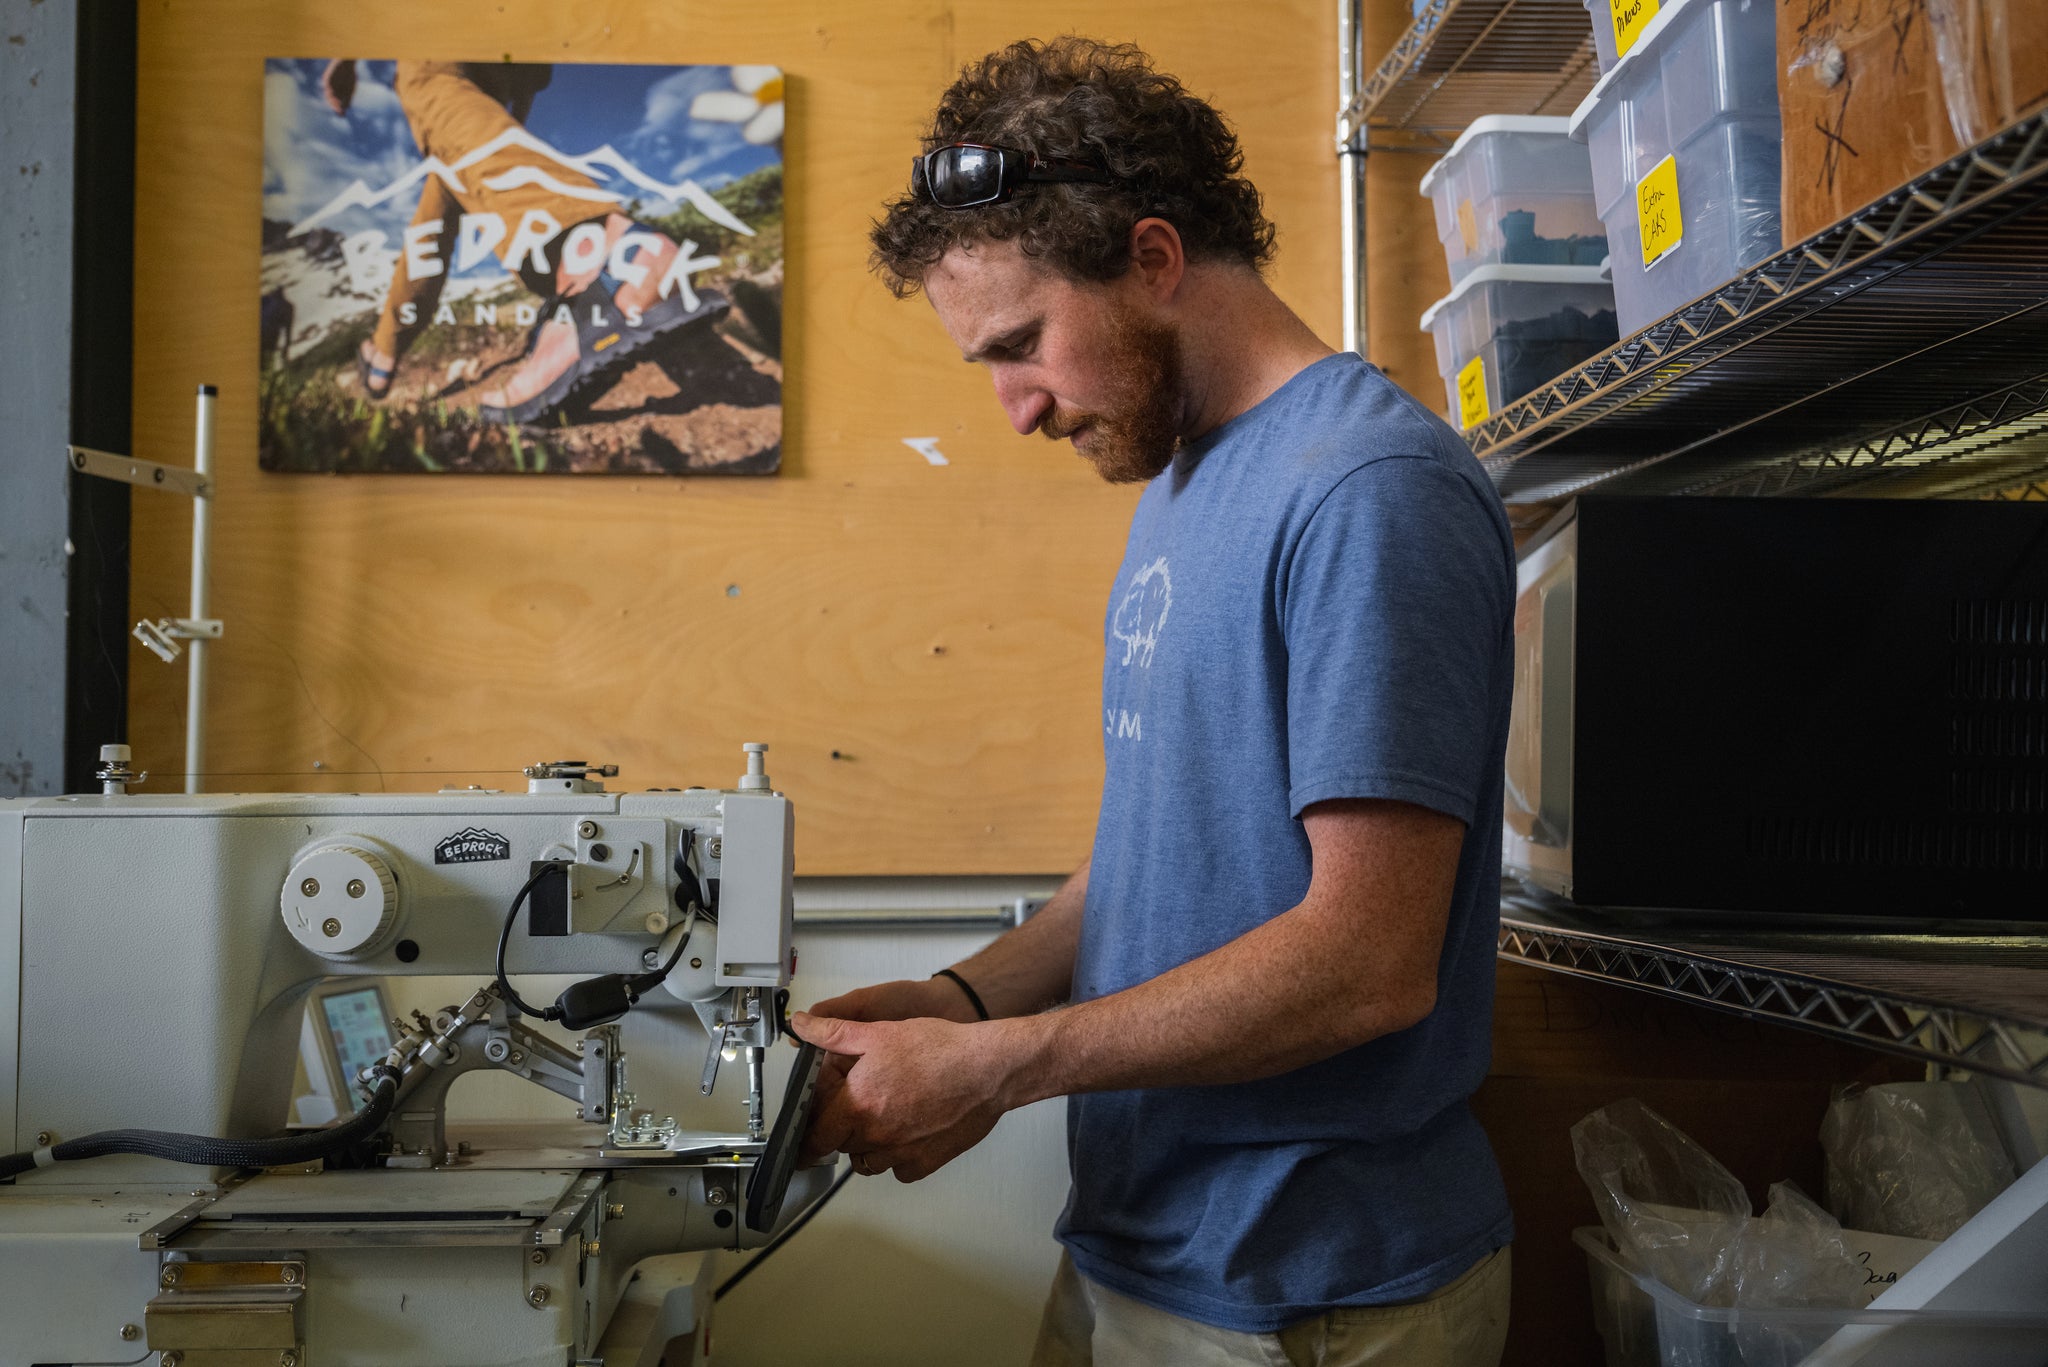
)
(156, 953)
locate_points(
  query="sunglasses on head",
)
(968, 174)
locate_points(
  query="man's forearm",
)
(1357, 959)
(1258, 1006)
(1031, 967)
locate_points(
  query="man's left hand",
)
(910, 1096)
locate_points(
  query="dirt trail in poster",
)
(521, 268)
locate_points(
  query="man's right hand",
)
(905, 999)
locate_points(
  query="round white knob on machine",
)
(695, 976)
(339, 901)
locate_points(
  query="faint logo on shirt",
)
(1141, 616)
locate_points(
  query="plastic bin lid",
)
(1556, 125)
(1644, 45)
(1674, 1308)
(1524, 275)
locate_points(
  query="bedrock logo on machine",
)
(472, 845)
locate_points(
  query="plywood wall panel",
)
(938, 627)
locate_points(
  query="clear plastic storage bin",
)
(1699, 88)
(1631, 16)
(1516, 191)
(1643, 1323)
(1602, 14)
(1503, 330)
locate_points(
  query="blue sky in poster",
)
(310, 154)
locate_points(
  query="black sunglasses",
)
(968, 174)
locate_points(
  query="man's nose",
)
(1025, 403)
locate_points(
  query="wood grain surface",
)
(937, 629)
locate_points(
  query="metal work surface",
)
(1977, 1002)
(381, 1194)
(1463, 59)
(491, 1145)
(1902, 352)
(429, 1209)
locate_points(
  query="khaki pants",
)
(1463, 1325)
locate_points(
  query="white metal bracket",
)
(162, 635)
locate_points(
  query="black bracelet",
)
(973, 997)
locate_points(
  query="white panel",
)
(754, 911)
(75, 1275)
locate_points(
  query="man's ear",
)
(1157, 258)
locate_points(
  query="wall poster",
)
(506, 267)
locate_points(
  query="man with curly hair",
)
(1275, 972)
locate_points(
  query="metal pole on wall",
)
(1351, 171)
(202, 526)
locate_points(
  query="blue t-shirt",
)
(1316, 602)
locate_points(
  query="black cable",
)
(505, 938)
(226, 1153)
(605, 998)
(689, 889)
(779, 1240)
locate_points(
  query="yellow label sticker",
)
(1631, 17)
(1468, 227)
(1657, 212)
(1472, 409)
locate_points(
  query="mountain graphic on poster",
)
(604, 163)
(446, 289)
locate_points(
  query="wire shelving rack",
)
(1901, 353)
(1979, 1004)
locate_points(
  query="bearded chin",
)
(1136, 442)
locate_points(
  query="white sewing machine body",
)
(156, 953)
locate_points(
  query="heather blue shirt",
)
(1316, 602)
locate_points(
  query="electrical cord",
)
(779, 1240)
(223, 1153)
(600, 1000)
(505, 988)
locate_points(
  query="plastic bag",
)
(1912, 1158)
(1795, 1257)
(1678, 1215)
(1672, 1211)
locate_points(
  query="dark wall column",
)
(67, 153)
(102, 368)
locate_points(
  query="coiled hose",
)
(222, 1153)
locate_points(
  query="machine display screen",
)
(361, 1035)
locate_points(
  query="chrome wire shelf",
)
(1462, 59)
(1980, 1005)
(1906, 344)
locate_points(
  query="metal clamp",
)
(567, 776)
(570, 768)
(432, 1052)
(163, 635)
(632, 1128)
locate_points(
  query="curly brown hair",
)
(1075, 99)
